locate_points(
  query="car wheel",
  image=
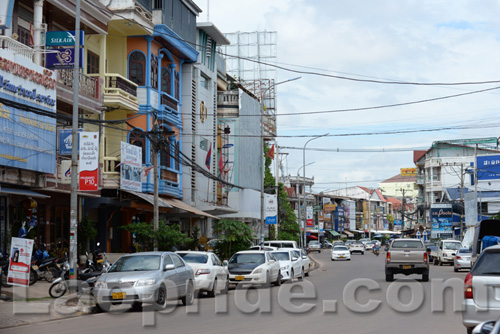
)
(308, 270)
(161, 297)
(213, 292)
(435, 261)
(389, 277)
(189, 297)
(469, 330)
(332, 259)
(136, 306)
(362, 253)
(268, 281)
(292, 276)
(301, 277)
(455, 270)
(100, 308)
(425, 277)
(440, 262)
(279, 279)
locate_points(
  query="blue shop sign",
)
(66, 141)
(63, 58)
(488, 167)
(62, 38)
(27, 140)
(271, 220)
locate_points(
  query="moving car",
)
(304, 259)
(340, 253)
(266, 248)
(462, 259)
(327, 244)
(254, 267)
(281, 243)
(349, 242)
(315, 246)
(481, 289)
(149, 277)
(357, 247)
(290, 263)
(407, 256)
(210, 274)
(369, 246)
(447, 251)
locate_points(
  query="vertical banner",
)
(131, 167)
(20, 261)
(309, 216)
(271, 209)
(441, 216)
(89, 161)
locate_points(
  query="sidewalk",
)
(23, 306)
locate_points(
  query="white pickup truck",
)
(446, 252)
(407, 256)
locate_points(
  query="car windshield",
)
(407, 244)
(194, 258)
(487, 264)
(313, 242)
(136, 263)
(452, 245)
(282, 256)
(247, 258)
(340, 248)
(464, 251)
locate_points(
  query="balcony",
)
(8, 43)
(90, 98)
(169, 101)
(132, 17)
(120, 92)
(420, 179)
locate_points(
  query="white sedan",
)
(254, 267)
(210, 274)
(341, 253)
(290, 263)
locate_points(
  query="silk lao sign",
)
(89, 161)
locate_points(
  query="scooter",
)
(376, 251)
(85, 282)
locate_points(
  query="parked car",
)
(481, 286)
(340, 253)
(357, 247)
(327, 244)
(338, 243)
(281, 243)
(407, 256)
(290, 263)
(432, 249)
(462, 259)
(212, 243)
(210, 274)
(305, 260)
(349, 242)
(314, 246)
(149, 277)
(266, 248)
(254, 267)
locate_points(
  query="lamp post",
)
(263, 159)
(304, 180)
(298, 197)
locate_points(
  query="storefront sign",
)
(63, 38)
(488, 167)
(62, 58)
(309, 216)
(329, 208)
(66, 141)
(6, 11)
(441, 216)
(20, 261)
(408, 171)
(131, 167)
(89, 161)
(271, 209)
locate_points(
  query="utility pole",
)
(403, 208)
(461, 201)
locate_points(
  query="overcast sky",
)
(385, 40)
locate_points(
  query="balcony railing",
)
(88, 86)
(168, 101)
(147, 4)
(18, 48)
(117, 82)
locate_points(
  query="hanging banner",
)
(309, 216)
(131, 167)
(271, 209)
(89, 161)
(20, 261)
(441, 216)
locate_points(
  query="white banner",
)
(131, 167)
(271, 209)
(20, 261)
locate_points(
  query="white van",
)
(281, 243)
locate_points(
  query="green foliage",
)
(86, 231)
(233, 237)
(497, 216)
(168, 236)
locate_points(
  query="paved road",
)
(339, 297)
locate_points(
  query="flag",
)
(209, 156)
(270, 154)
(32, 32)
(147, 170)
(221, 165)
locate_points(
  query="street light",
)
(262, 158)
(304, 181)
(298, 197)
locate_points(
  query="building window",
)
(154, 72)
(165, 80)
(204, 81)
(165, 155)
(138, 138)
(23, 36)
(178, 158)
(137, 65)
(177, 86)
(92, 63)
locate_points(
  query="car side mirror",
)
(294, 259)
(224, 263)
(304, 257)
(271, 261)
(169, 267)
(428, 249)
(484, 327)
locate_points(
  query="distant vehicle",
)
(327, 244)
(315, 246)
(481, 302)
(364, 241)
(281, 243)
(349, 242)
(305, 260)
(487, 227)
(432, 248)
(266, 248)
(210, 274)
(357, 247)
(369, 246)
(447, 251)
(339, 243)
(254, 267)
(407, 256)
(340, 253)
(212, 243)
(290, 263)
(462, 259)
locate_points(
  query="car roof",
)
(194, 252)
(494, 248)
(149, 253)
(253, 252)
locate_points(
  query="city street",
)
(330, 302)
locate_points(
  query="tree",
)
(233, 237)
(86, 232)
(168, 236)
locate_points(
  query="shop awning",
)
(162, 203)
(334, 233)
(349, 234)
(22, 192)
(186, 207)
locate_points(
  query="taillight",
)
(468, 287)
(202, 272)
(426, 257)
(459, 257)
(388, 257)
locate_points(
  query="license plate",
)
(118, 295)
(239, 278)
(406, 267)
(341, 255)
(35, 267)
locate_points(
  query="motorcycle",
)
(85, 282)
(376, 251)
